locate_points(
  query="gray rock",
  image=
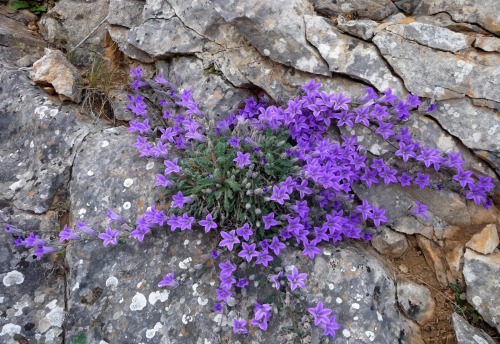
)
(363, 28)
(32, 297)
(276, 29)
(434, 257)
(482, 277)
(435, 74)
(55, 70)
(119, 35)
(34, 168)
(161, 38)
(216, 96)
(416, 301)
(487, 43)
(127, 13)
(468, 334)
(389, 242)
(350, 56)
(16, 41)
(486, 241)
(482, 12)
(407, 6)
(432, 36)
(157, 9)
(119, 101)
(371, 9)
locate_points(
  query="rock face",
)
(468, 334)
(486, 241)
(371, 9)
(482, 278)
(55, 70)
(389, 242)
(416, 301)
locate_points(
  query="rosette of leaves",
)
(34, 6)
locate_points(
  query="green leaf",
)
(233, 184)
(19, 5)
(39, 8)
(218, 194)
(80, 338)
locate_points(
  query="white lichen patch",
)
(331, 286)
(338, 300)
(370, 335)
(355, 305)
(186, 319)
(112, 282)
(90, 173)
(127, 205)
(76, 286)
(19, 306)
(150, 165)
(150, 333)
(186, 242)
(10, 329)
(202, 302)
(128, 182)
(476, 300)
(82, 211)
(12, 278)
(104, 144)
(56, 317)
(185, 263)
(51, 304)
(156, 296)
(138, 302)
(346, 333)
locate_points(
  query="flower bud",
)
(281, 143)
(244, 181)
(257, 211)
(248, 206)
(257, 223)
(258, 191)
(248, 185)
(249, 192)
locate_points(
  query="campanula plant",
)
(269, 178)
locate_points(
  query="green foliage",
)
(80, 338)
(463, 307)
(33, 6)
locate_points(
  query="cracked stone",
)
(454, 258)
(363, 28)
(487, 43)
(486, 241)
(468, 334)
(371, 9)
(127, 13)
(157, 9)
(119, 35)
(389, 242)
(416, 301)
(432, 254)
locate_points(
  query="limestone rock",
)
(371, 9)
(486, 241)
(432, 254)
(17, 41)
(162, 37)
(362, 28)
(276, 29)
(157, 9)
(432, 36)
(454, 258)
(349, 55)
(436, 74)
(482, 277)
(127, 13)
(120, 35)
(482, 12)
(34, 168)
(407, 6)
(468, 334)
(416, 301)
(389, 242)
(55, 70)
(487, 43)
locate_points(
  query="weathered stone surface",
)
(276, 29)
(363, 28)
(349, 55)
(372, 9)
(157, 9)
(487, 43)
(161, 37)
(486, 241)
(416, 301)
(468, 334)
(389, 242)
(407, 6)
(34, 168)
(16, 41)
(482, 12)
(432, 36)
(127, 13)
(476, 126)
(120, 35)
(55, 70)
(217, 96)
(482, 277)
(433, 254)
(454, 258)
(32, 292)
(447, 76)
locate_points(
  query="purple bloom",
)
(320, 314)
(179, 200)
(42, 249)
(422, 180)
(485, 183)
(82, 227)
(341, 102)
(242, 283)
(136, 72)
(311, 86)
(276, 245)
(454, 160)
(365, 209)
(384, 130)
(406, 151)
(303, 189)
(330, 326)
(388, 175)
(269, 221)
(275, 280)
(301, 208)
(242, 159)
(263, 258)
(262, 311)
(405, 180)
(139, 232)
(185, 222)
(239, 326)
(227, 268)
(248, 252)
(378, 216)
(218, 307)
(296, 279)
(161, 180)
(234, 142)
(33, 240)
(172, 166)
(208, 223)
(229, 239)
(464, 178)
(262, 323)
(68, 234)
(16, 231)
(310, 249)
(168, 281)
(476, 193)
(412, 101)
(109, 237)
(114, 217)
(173, 222)
(421, 208)
(279, 194)
(245, 231)
(214, 254)
(223, 294)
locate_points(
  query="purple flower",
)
(16, 231)
(311, 86)
(262, 323)
(173, 222)
(242, 159)
(161, 180)
(384, 130)
(330, 326)
(42, 249)
(365, 209)
(422, 180)
(296, 279)
(320, 314)
(388, 175)
(242, 283)
(476, 193)
(234, 142)
(208, 223)
(114, 217)
(485, 183)
(214, 254)
(421, 208)
(303, 189)
(68, 234)
(218, 307)
(275, 280)
(168, 281)
(245, 231)
(33, 240)
(464, 178)
(172, 166)
(276, 245)
(310, 249)
(262, 311)
(248, 252)
(136, 72)
(139, 232)
(269, 221)
(109, 237)
(454, 160)
(82, 227)
(239, 326)
(227, 268)
(185, 222)
(223, 294)
(406, 151)
(405, 180)
(229, 239)
(263, 258)
(179, 200)
(378, 216)
(301, 208)
(279, 194)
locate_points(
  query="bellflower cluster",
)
(265, 179)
